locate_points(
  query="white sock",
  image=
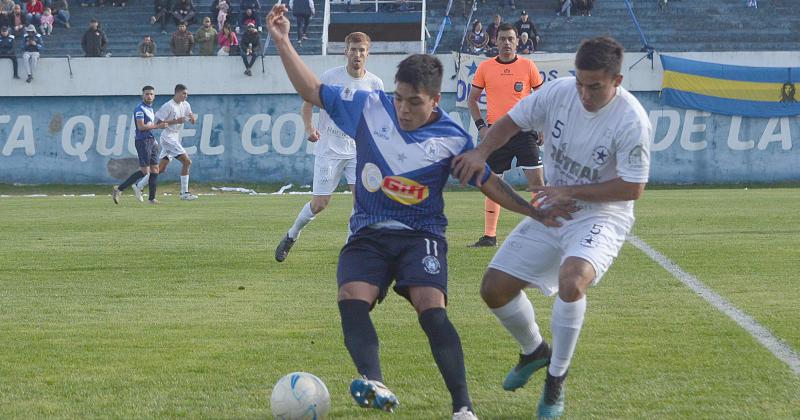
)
(518, 318)
(140, 184)
(184, 184)
(566, 325)
(303, 218)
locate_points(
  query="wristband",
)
(480, 123)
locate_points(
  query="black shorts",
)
(381, 256)
(147, 150)
(523, 147)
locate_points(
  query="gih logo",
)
(403, 190)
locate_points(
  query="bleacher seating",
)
(125, 28)
(685, 25)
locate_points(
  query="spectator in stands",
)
(255, 9)
(524, 25)
(17, 21)
(247, 18)
(61, 12)
(250, 46)
(302, 10)
(94, 41)
(584, 7)
(206, 38)
(147, 48)
(34, 10)
(6, 9)
(31, 46)
(492, 31)
(46, 28)
(162, 9)
(184, 12)
(7, 48)
(222, 14)
(510, 3)
(182, 41)
(476, 40)
(525, 45)
(228, 43)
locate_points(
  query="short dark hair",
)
(179, 88)
(505, 26)
(601, 53)
(148, 87)
(421, 71)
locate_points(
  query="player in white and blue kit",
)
(597, 151)
(146, 147)
(405, 144)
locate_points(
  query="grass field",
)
(180, 310)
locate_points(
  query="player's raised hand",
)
(550, 214)
(469, 166)
(278, 23)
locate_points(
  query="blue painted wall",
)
(242, 138)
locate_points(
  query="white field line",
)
(780, 349)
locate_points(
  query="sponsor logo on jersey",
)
(403, 190)
(518, 87)
(431, 264)
(635, 157)
(384, 133)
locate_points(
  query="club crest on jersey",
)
(348, 93)
(600, 155)
(518, 87)
(431, 264)
(404, 191)
(371, 177)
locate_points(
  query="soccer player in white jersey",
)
(597, 152)
(175, 113)
(404, 144)
(335, 151)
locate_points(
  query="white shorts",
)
(534, 252)
(328, 171)
(171, 149)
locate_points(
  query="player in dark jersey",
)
(404, 146)
(146, 147)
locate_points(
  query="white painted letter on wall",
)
(23, 125)
(247, 133)
(78, 149)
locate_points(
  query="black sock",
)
(151, 185)
(131, 179)
(360, 338)
(446, 349)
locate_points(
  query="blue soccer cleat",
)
(373, 394)
(527, 366)
(551, 405)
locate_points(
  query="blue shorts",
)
(381, 256)
(147, 150)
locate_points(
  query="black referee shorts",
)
(523, 147)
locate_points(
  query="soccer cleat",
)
(551, 405)
(485, 240)
(137, 192)
(154, 201)
(188, 196)
(527, 366)
(116, 194)
(373, 394)
(464, 414)
(282, 251)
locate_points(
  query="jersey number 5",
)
(557, 129)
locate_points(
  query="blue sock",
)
(131, 179)
(360, 338)
(446, 349)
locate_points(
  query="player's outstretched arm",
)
(501, 193)
(470, 165)
(305, 82)
(614, 190)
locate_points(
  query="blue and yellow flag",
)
(731, 90)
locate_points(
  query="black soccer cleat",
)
(282, 251)
(551, 404)
(485, 241)
(528, 365)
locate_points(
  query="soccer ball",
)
(300, 395)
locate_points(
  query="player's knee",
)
(492, 295)
(319, 203)
(574, 278)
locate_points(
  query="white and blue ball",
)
(300, 395)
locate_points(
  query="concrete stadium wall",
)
(79, 130)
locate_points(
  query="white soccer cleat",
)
(188, 196)
(137, 192)
(464, 414)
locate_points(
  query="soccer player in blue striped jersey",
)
(404, 146)
(146, 147)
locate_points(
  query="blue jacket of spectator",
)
(250, 4)
(38, 47)
(302, 7)
(7, 45)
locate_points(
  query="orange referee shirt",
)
(505, 84)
